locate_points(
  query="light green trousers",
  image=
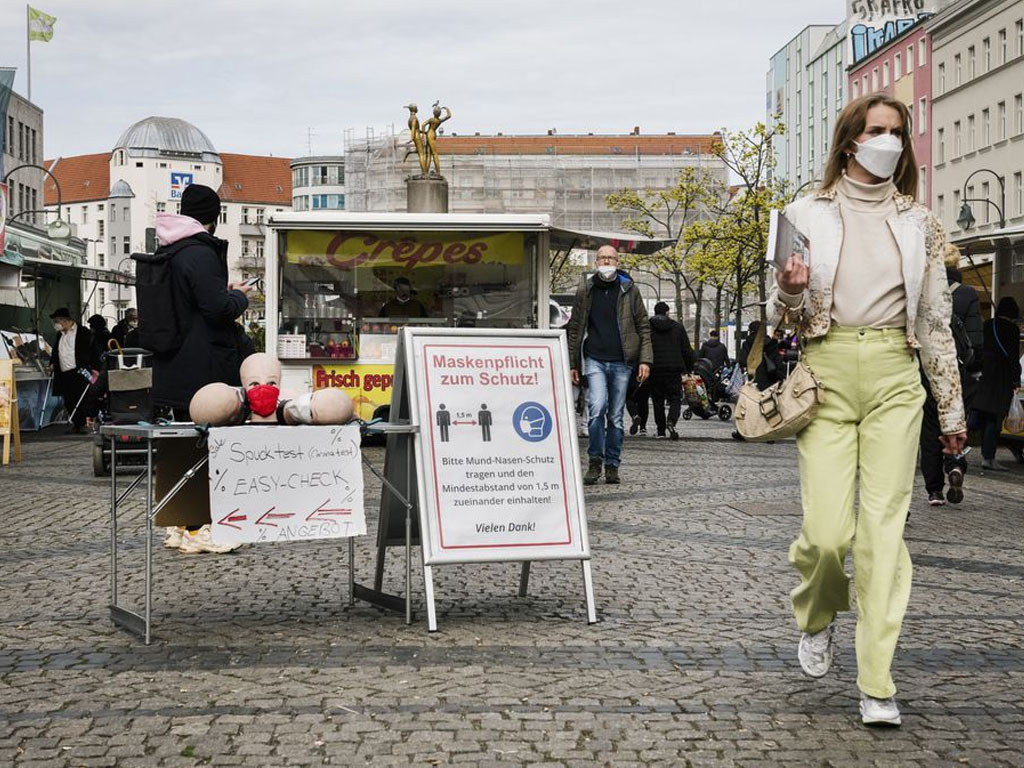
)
(869, 425)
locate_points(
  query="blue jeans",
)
(606, 384)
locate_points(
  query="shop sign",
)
(179, 181)
(405, 250)
(369, 386)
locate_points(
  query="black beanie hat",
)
(661, 308)
(201, 203)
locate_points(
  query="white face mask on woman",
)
(607, 271)
(880, 155)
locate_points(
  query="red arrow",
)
(324, 512)
(230, 518)
(273, 516)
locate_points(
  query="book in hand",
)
(784, 239)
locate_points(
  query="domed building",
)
(112, 198)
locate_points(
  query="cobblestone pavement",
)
(257, 661)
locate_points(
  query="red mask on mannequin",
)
(263, 398)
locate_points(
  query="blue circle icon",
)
(532, 422)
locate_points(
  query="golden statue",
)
(417, 140)
(430, 133)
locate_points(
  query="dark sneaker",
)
(611, 475)
(593, 472)
(643, 431)
(634, 426)
(660, 434)
(672, 434)
(936, 499)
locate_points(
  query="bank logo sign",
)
(178, 183)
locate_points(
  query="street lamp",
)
(796, 192)
(966, 218)
(59, 229)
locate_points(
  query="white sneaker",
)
(815, 652)
(172, 539)
(194, 542)
(879, 711)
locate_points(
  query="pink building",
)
(902, 69)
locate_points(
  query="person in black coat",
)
(205, 304)
(770, 368)
(1000, 375)
(715, 351)
(72, 366)
(100, 336)
(934, 464)
(673, 356)
(126, 331)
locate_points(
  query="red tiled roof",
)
(629, 144)
(256, 179)
(82, 178)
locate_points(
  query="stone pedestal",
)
(426, 195)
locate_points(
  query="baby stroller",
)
(706, 392)
(123, 388)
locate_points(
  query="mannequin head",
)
(218, 404)
(261, 380)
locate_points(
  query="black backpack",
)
(964, 348)
(159, 328)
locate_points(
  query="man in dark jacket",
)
(608, 336)
(967, 312)
(715, 351)
(205, 305)
(73, 364)
(673, 356)
(126, 330)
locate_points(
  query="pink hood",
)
(172, 227)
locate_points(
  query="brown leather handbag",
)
(781, 410)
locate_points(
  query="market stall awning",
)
(627, 242)
(84, 272)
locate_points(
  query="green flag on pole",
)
(40, 25)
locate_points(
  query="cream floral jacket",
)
(921, 241)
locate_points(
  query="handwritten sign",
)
(277, 483)
(500, 475)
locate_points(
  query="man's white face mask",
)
(880, 155)
(607, 271)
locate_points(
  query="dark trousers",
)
(666, 386)
(931, 448)
(990, 437)
(637, 397)
(72, 385)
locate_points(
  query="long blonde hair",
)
(850, 124)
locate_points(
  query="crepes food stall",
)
(339, 285)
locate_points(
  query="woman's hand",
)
(795, 277)
(953, 444)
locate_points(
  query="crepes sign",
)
(407, 250)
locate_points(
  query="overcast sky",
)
(257, 75)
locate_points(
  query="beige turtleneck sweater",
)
(868, 291)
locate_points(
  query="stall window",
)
(346, 293)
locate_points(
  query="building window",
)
(113, 245)
(956, 202)
(1002, 119)
(101, 260)
(856, 89)
(970, 133)
(1018, 113)
(99, 227)
(245, 215)
(986, 130)
(986, 54)
(85, 214)
(897, 66)
(864, 86)
(922, 115)
(984, 196)
(259, 249)
(161, 207)
(259, 215)
(874, 79)
(102, 292)
(910, 59)
(161, 165)
(942, 145)
(223, 214)
(126, 212)
(972, 61)
(138, 164)
(1018, 192)
(127, 245)
(942, 78)
(957, 145)
(1020, 37)
(1002, 46)
(958, 70)
(922, 52)
(922, 184)
(885, 74)
(940, 207)
(113, 214)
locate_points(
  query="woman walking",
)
(874, 300)
(1000, 376)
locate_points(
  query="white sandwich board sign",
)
(285, 483)
(496, 454)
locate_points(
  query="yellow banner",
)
(409, 250)
(369, 386)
